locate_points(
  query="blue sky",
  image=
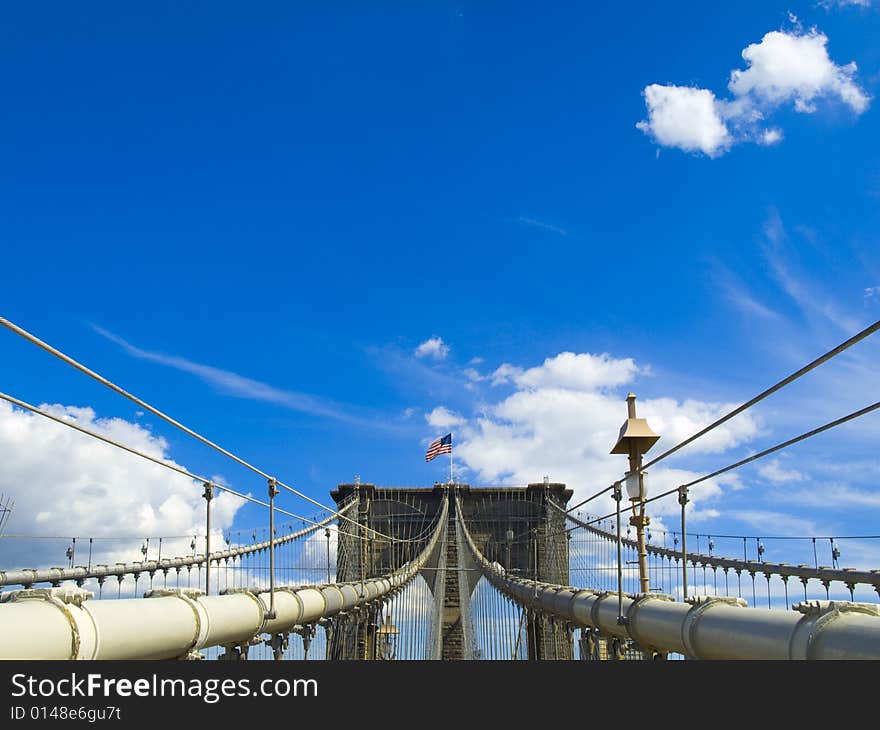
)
(254, 217)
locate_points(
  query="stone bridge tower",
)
(515, 526)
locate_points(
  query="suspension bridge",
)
(447, 571)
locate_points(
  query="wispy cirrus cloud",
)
(740, 297)
(828, 4)
(239, 386)
(775, 472)
(780, 523)
(535, 223)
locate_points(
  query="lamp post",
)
(327, 536)
(635, 439)
(386, 639)
(208, 495)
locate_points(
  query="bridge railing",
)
(61, 623)
(851, 578)
(29, 577)
(704, 627)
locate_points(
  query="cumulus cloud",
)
(504, 374)
(442, 417)
(784, 68)
(687, 118)
(433, 347)
(793, 67)
(563, 417)
(676, 420)
(66, 483)
(569, 370)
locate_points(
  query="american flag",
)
(440, 446)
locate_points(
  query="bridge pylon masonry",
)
(516, 526)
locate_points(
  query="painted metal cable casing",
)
(61, 623)
(30, 576)
(705, 627)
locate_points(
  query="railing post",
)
(535, 555)
(208, 495)
(683, 500)
(273, 491)
(618, 495)
(327, 535)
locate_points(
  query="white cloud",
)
(780, 258)
(569, 370)
(747, 303)
(564, 416)
(676, 420)
(795, 67)
(443, 418)
(505, 374)
(834, 496)
(242, 387)
(433, 347)
(783, 68)
(844, 3)
(66, 483)
(773, 471)
(777, 523)
(473, 375)
(534, 222)
(581, 371)
(771, 136)
(687, 118)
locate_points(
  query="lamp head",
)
(635, 432)
(633, 490)
(635, 437)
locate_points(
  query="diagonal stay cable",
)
(858, 337)
(33, 339)
(754, 457)
(773, 449)
(131, 450)
(590, 498)
(781, 384)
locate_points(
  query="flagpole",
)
(450, 460)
